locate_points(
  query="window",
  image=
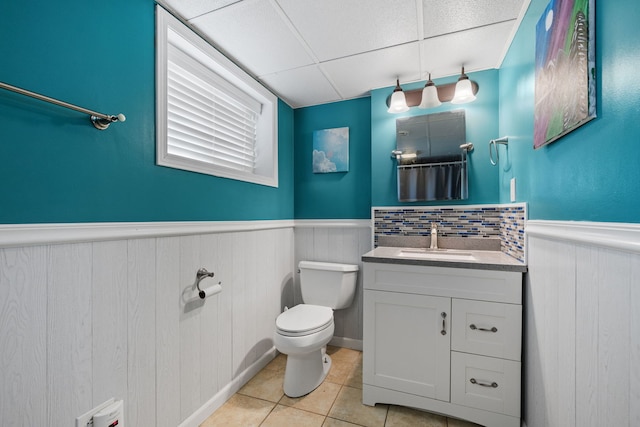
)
(212, 117)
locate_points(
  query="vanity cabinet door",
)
(407, 343)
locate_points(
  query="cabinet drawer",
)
(485, 383)
(486, 328)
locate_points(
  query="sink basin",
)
(436, 254)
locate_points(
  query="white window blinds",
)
(211, 116)
(209, 120)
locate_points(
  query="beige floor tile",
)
(267, 385)
(240, 411)
(318, 401)
(454, 422)
(354, 379)
(400, 416)
(348, 407)
(345, 354)
(288, 416)
(332, 422)
(278, 364)
(341, 370)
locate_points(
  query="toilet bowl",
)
(303, 331)
(304, 345)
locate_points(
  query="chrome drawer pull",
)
(474, 327)
(444, 326)
(492, 385)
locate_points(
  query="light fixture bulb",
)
(398, 102)
(430, 97)
(464, 91)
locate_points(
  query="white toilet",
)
(303, 331)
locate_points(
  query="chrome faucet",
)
(434, 236)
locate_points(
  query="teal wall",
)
(593, 173)
(57, 168)
(482, 125)
(334, 195)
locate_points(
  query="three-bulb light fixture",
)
(430, 96)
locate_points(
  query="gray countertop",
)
(473, 259)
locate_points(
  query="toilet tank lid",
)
(332, 266)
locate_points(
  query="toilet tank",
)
(328, 284)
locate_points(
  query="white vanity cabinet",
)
(446, 340)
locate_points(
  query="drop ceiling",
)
(311, 52)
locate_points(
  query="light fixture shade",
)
(464, 91)
(430, 97)
(398, 102)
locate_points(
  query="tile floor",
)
(336, 403)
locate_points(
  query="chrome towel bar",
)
(100, 121)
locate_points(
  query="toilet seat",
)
(304, 319)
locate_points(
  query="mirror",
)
(431, 164)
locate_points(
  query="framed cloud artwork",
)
(565, 68)
(331, 150)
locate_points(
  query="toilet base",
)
(305, 372)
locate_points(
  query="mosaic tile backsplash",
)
(505, 222)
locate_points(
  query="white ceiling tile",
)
(442, 17)
(354, 76)
(477, 49)
(311, 52)
(254, 35)
(337, 28)
(302, 86)
(189, 9)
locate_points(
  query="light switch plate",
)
(84, 419)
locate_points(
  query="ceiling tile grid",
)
(356, 75)
(253, 33)
(193, 8)
(310, 52)
(444, 17)
(303, 86)
(338, 28)
(483, 50)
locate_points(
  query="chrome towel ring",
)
(504, 141)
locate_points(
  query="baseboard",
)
(205, 411)
(346, 343)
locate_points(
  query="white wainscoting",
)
(582, 325)
(92, 313)
(336, 241)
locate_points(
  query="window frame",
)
(171, 30)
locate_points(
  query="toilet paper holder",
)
(202, 274)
